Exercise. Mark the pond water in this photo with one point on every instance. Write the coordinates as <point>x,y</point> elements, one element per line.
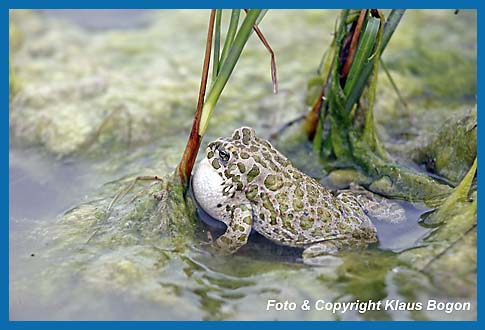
<point>103,96</point>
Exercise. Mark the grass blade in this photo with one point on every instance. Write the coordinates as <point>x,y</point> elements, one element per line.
<point>364,51</point>
<point>389,28</point>
<point>231,33</point>
<point>226,69</point>
<point>393,84</point>
<point>217,45</point>
<point>261,16</point>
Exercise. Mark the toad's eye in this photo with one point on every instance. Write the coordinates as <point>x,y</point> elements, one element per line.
<point>224,155</point>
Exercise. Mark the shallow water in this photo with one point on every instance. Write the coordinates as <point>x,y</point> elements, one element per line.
<point>70,261</point>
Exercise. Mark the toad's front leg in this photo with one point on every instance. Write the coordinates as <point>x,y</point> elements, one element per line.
<point>237,231</point>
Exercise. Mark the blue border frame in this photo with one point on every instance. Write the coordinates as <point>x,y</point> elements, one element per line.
<point>4,140</point>
<point>48,4</point>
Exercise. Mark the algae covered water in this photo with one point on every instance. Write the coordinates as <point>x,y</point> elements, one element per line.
<point>100,97</point>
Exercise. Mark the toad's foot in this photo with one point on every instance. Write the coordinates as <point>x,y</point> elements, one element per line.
<point>377,207</point>
<point>325,253</point>
<point>382,209</point>
<point>322,254</point>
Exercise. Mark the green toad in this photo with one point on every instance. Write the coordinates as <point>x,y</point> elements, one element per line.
<point>247,184</point>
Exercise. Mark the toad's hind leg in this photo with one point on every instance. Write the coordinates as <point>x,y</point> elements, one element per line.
<point>381,209</point>
<point>237,231</point>
<point>375,206</point>
<point>322,253</point>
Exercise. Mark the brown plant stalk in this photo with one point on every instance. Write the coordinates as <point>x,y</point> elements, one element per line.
<point>187,162</point>
<point>353,44</point>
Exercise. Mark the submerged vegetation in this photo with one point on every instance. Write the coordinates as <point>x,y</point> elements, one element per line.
<point>342,123</point>
<point>148,248</point>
